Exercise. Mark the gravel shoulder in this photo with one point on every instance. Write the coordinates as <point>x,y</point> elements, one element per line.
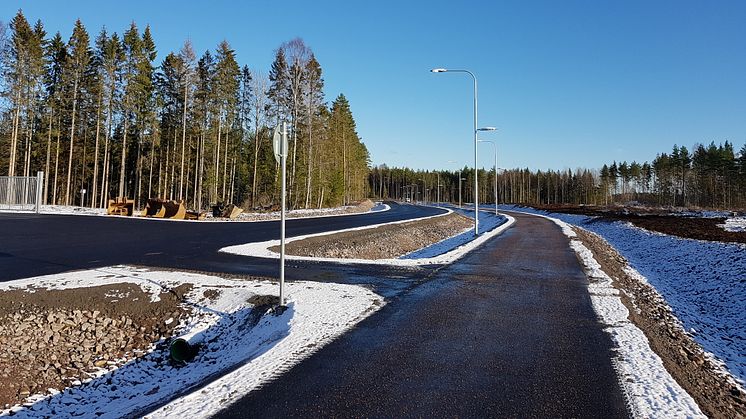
<point>701,376</point>
<point>52,339</point>
<point>383,242</point>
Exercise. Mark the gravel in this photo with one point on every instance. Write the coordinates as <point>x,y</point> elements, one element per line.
<point>53,339</point>
<point>384,242</point>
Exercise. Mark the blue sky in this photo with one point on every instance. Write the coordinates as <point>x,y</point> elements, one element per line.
<point>569,83</point>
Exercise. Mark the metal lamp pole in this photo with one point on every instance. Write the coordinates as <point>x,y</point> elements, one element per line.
<point>476,173</point>
<point>495,146</point>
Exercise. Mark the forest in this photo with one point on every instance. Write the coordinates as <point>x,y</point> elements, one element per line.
<point>711,177</point>
<point>102,119</point>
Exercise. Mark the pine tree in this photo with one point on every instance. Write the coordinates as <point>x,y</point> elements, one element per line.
<point>79,55</point>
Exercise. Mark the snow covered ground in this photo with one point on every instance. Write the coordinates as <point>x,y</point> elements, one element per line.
<point>704,282</point>
<point>650,389</point>
<point>316,314</point>
<point>246,216</point>
<point>734,224</point>
<point>444,252</point>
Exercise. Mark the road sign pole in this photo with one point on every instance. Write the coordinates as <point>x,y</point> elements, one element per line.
<point>283,158</point>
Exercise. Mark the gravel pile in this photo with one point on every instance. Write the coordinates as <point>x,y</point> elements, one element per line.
<point>92,330</point>
<point>716,394</point>
<point>384,242</point>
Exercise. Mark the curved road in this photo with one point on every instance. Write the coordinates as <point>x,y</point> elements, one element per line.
<point>507,331</point>
<point>32,245</point>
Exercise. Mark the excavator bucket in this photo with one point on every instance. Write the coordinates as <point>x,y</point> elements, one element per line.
<point>174,209</point>
<point>161,208</point>
<point>231,211</point>
<point>120,206</point>
<point>154,208</point>
<point>195,215</point>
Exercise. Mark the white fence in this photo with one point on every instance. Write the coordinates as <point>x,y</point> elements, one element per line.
<point>21,192</point>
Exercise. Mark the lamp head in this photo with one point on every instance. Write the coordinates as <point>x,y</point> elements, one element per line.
<point>438,70</point>
<point>487,129</point>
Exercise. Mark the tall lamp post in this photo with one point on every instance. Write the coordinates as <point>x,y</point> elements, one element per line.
<point>495,147</point>
<point>476,173</point>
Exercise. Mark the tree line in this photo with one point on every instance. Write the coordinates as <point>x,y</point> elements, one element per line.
<point>713,176</point>
<point>102,119</point>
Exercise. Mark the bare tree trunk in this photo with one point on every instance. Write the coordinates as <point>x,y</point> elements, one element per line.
<point>150,173</point>
<point>72,143</point>
<point>94,188</point>
<point>217,156</point>
<point>257,139</point>
<point>225,162</point>
<point>233,178</point>
<point>310,155</point>
<point>57,159</point>
<point>14,137</point>
<point>124,156</point>
<point>183,139</point>
<point>165,178</point>
<point>49,151</point>
<point>200,175</point>
<point>138,173</point>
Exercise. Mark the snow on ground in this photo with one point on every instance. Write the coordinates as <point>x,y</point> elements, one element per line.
<point>650,389</point>
<point>246,216</point>
<point>444,252</point>
<point>316,314</point>
<point>734,224</point>
<point>703,282</point>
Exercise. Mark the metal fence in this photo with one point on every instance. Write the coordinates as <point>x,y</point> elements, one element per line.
<point>21,192</point>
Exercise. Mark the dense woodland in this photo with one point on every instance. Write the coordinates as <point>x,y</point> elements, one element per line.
<point>97,113</point>
<point>712,176</point>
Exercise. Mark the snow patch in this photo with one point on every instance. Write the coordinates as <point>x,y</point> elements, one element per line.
<point>650,389</point>
<point>235,357</point>
<point>734,224</point>
<point>444,252</point>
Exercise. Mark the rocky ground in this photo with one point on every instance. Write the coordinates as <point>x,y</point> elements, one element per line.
<point>717,395</point>
<point>52,339</point>
<point>660,220</point>
<point>384,242</point>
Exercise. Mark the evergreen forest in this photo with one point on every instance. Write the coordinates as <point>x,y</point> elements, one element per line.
<point>102,119</point>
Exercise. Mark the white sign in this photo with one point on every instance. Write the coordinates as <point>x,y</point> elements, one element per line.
<point>278,145</point>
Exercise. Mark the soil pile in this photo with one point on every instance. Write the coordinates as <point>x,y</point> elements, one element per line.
<point>384,242</point>
<point>718,396</point>
<point>698,228</point>
<point>52,339</point>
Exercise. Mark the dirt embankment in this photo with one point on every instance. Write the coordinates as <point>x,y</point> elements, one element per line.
<point>384,242</point>
<point>690,227</point>
<point>56,338</point>
<point>717,396</point>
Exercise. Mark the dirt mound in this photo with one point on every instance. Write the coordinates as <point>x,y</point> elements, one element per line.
<point>52,339</point>
<point>659,220</point>
<point>384,242</point>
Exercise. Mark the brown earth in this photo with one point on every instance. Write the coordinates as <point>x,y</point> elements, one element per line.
<point>658,220</point>
<point>55,338</point>
<point>384,242</point>
<point>718,396</point>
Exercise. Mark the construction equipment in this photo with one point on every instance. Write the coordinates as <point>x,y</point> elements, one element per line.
<point>195,215</point>
<point>162,208</point>
<point>120,206</point>
<point>226,211</point>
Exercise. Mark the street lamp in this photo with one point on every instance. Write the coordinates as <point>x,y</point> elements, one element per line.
<point>495,147</point>
<point>476,178</point>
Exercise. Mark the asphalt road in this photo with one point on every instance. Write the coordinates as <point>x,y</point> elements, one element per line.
<point>32,245</point>
<point>508,331</point>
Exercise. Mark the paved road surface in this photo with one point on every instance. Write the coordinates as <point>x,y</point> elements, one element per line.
<point>508,331</point>
<point>32,245</point>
